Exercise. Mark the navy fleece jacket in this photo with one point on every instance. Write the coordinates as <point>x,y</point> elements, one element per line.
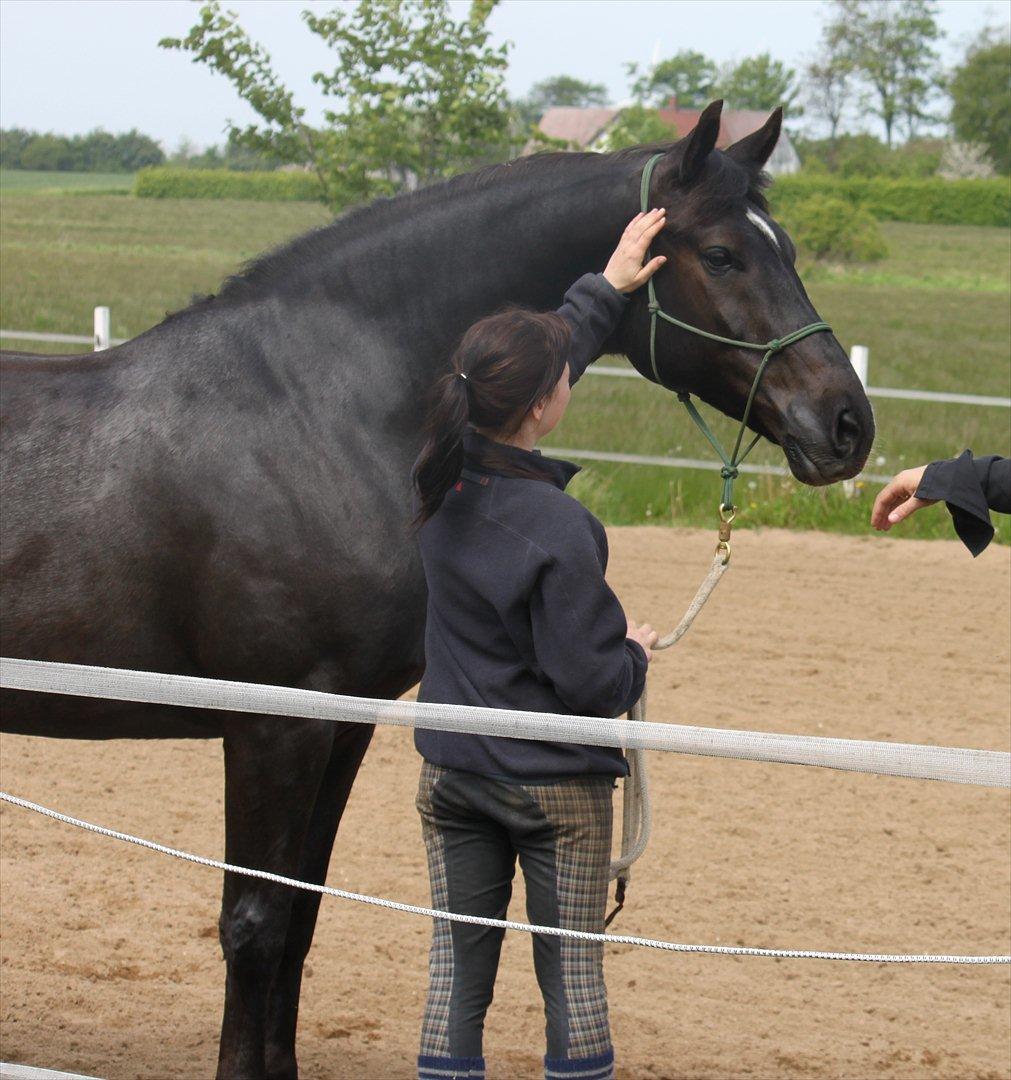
<point>519,613</point>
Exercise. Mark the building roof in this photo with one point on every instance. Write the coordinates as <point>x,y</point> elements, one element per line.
<point>734,123</point>
<point>582,128</point>
<point>575,125</point>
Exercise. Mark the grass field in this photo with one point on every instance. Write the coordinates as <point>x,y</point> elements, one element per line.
<point>934,314</point>
<point>16,181</point>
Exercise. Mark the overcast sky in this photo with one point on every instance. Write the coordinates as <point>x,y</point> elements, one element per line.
<point>72,65</point>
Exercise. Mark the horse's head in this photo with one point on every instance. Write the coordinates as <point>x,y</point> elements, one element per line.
<point>730,271</point>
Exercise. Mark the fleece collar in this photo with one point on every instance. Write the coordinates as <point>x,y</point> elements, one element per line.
<point>554,470</point>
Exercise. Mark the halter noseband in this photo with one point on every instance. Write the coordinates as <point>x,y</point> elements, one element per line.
<point>729,472</point>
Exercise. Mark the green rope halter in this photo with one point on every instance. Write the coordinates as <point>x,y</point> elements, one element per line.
<point>730,470</point>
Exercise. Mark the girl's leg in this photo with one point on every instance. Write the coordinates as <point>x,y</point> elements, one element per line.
<point>565,863</point>
<point>471,864</point>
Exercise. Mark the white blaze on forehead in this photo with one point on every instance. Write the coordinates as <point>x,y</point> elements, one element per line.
<point>763,226</point>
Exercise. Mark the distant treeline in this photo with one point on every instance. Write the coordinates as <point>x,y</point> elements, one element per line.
<point>102,152</point>
<point>98,151</point>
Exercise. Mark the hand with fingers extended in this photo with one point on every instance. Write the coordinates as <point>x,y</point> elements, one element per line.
<point>897,499</point>
<point>625,269</point>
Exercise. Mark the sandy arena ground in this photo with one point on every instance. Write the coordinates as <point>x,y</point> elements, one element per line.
<point>110,964</point>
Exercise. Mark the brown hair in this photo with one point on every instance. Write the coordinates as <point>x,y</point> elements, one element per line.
<point>504,365</point>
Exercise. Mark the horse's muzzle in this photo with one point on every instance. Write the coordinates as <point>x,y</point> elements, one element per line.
<point>823,451</point>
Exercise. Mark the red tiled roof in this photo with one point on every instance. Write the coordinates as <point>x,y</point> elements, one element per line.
<point>734,123</point>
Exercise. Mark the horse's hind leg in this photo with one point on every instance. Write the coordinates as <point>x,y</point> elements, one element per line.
<point>349,746</point>
<point>273,769</point>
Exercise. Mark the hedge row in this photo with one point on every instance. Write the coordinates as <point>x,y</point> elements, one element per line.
<point>928,202</point>
<point>931,202</point>
<point>168,183</point>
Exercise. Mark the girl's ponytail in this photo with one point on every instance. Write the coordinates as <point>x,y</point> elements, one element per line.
<point>504,365</point>
<point>438,467</point>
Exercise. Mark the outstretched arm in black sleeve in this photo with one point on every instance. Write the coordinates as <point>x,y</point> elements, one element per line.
<point>970,487</point>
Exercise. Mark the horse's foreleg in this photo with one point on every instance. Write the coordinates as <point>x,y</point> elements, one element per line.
<point>349,746</point>
<point>273,769</point>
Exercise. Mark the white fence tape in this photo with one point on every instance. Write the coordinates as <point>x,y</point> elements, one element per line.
<point>102,340</point>
<point>65,339</point>
<point>939,396</point>
<point>507,924</point>
<point>663,462</point>
<point>990,768</point>
<point>10,1071</point>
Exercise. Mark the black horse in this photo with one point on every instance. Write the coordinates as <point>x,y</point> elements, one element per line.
<point>227,495</point>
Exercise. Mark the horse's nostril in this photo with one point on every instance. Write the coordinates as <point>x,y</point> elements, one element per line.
<point>847,433</point>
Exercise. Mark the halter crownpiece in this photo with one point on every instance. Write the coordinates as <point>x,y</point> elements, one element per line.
<point>730,470</point>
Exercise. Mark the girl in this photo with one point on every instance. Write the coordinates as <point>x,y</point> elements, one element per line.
<point>520,617</point>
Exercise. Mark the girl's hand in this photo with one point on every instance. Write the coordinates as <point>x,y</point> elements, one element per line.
<point>645,635</point>
<point>897,500</point>
<point>624,269</point>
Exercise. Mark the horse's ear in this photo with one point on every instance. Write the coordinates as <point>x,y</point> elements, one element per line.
<point>754,150</point>
<point>688,157</point>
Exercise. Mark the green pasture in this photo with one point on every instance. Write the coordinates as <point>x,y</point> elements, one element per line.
<point>934,314</point>
<point>17,181</point>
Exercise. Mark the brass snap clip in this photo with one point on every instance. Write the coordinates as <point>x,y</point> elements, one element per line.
<point>727,515</point>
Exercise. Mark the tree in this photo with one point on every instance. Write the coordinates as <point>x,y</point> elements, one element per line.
<point>418,96</point>
<point>560,90</point>
<point>829,87</point>
<point>13,143</point>
<point>759,82</point>
<point>889,43</point>
<point>49,153</point>
<point>636,125</point>
<point>980,91</point>
<point>688,76</point>
<point>132,150</point>
<point>965,161</point>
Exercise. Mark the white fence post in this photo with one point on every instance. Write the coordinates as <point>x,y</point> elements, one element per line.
<point>860,358</point>
<point>102,328</point>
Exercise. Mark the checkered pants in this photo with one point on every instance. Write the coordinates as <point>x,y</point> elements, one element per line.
<point>474,828</point>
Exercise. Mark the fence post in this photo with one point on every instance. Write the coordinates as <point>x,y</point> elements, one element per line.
<point>860,358</point>
<point>102,325</point>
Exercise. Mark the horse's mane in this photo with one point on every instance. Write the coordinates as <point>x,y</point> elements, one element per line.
<point>725,181</point>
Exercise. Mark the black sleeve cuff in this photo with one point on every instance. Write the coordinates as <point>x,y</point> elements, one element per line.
<point>957,483</point>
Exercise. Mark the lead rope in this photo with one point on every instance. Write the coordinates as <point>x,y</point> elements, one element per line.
<point>637,808</point>
<point>637,817</point>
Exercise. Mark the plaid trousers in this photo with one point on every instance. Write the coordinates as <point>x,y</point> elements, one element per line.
<point>474,828</point>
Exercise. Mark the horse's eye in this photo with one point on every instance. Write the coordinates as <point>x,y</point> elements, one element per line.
<point>718,259</point>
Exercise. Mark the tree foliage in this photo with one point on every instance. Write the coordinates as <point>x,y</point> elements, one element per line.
<point>851,156</point>
<point>687,75</point>
<point>98,151</point>
<point>232,155</point>
<point>980,91</point>
<point>828,88</point>
<point>760,82</point>
<point>416,95</point>
<point>890,45</point>
<point>559,90</point>
<point>636,125</point>
<point>834,230</point>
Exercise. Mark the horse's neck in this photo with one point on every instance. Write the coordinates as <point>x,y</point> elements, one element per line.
<point>509,243</point>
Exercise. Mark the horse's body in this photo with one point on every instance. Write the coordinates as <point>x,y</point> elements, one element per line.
<point>228,494</point>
